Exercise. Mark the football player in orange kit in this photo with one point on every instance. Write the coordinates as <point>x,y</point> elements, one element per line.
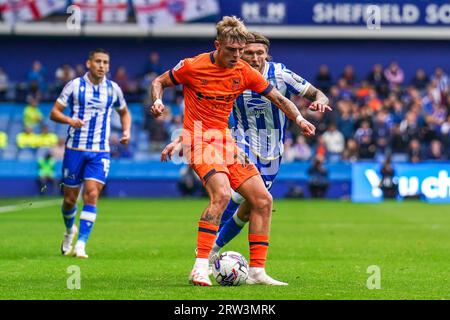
<point>211,82</point>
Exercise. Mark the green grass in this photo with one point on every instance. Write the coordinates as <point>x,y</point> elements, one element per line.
<point>144,249</point>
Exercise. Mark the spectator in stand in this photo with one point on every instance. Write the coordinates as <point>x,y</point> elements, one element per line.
<point>435,151</point>
<point>4,84</point>
<point>445,134</point>
<point>154,64</point>
<point>433,95</point>
<point>367,148</point>
<point>377,79</point>
<point>362,93</point>
<point>345,122</point>
<point>121,78</point>
<point>345,91</point>
<point>381,130</point>
<point>442,81</point>
<point>351,152</point>
<point>398,141</point>
<point>373,102</point>
<point>158,134</point>
<point>409,127</point>
<point>3,140</point>
<point>334,142</point>
<point>318,178</point>
<point>301,150</point>
<point>324,80</point>
<point>349,75</point>
<point>80,70</point>
<point>32,116</point>
<point>320,148</point>
<point>63,75</point>
<point>36,77</point>
<point>46,139</point>
<point>289,153</point>
<point>397,112</point>
<point>394,75</point>
<point>26,139</point>
<point>420,80</point>
<point>364,131</point>
<point>415,151</point>
<point>334,95</point>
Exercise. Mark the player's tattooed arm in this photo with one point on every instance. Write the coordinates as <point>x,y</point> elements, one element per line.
<point>319,99</point>
<point>156,91</point>
<point>291,111</point>
<point>57,115</point>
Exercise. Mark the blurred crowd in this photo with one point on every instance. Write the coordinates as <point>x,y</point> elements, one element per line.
<point>382,114</point>
<point>375,116</point>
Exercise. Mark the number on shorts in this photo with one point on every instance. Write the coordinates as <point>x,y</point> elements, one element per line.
<point>105,166</point>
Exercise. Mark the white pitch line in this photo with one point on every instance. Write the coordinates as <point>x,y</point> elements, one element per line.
<point>29,205</point>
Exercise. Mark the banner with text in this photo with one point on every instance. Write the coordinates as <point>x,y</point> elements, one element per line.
<point>429,181</point>
<point>339,13</point>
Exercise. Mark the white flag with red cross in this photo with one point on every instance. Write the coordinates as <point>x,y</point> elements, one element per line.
<point>101,11</point>
<point>26,10</point>
<point>156,13</point>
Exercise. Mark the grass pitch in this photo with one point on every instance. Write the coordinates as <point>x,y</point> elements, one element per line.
<point>144,249</point>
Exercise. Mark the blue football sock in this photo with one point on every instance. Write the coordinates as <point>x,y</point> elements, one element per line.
<point>69,217</point>
<point>87,219</point>
<point>230,230</point>
<point>228,213</point>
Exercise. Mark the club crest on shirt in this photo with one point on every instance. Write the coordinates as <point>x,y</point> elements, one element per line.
<point>179,65</point>
<point>235,83</point>
<point>299,79</point>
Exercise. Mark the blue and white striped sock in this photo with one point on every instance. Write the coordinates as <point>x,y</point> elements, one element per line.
<point>87,219</point>
<point>69,218</point>
<point>229,231</point>
<point>228,213</point>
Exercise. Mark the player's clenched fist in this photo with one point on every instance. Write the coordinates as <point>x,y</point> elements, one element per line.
<point>76,123</point>
<point>157,108</point>
<point>308,129</point>
<point>125,137</point>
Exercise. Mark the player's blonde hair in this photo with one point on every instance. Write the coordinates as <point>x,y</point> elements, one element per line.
<point>231,29</point>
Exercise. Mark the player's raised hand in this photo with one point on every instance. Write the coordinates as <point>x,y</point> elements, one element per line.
<point>157,108</point>
<point>170,149</point>
<point>125,139</point>
<point>308,129</point>
<point>76,123</point>
<point>318,106</point>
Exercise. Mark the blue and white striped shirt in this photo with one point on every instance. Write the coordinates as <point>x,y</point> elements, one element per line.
<point>259,124</point>
<point>92,104</point>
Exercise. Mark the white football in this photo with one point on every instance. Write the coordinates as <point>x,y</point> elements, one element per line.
<point>230,269</point>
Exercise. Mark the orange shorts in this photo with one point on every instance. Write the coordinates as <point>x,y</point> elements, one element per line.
<point>209,157</point>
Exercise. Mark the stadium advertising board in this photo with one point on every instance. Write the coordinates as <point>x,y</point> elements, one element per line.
<point>335,13</point>
<point>431,182</point>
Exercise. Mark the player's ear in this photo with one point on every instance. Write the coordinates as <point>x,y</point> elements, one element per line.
<point>88,63</point>
<point>217,44</point>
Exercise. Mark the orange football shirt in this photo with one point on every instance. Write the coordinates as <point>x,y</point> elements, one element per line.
<point>210,90</point>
